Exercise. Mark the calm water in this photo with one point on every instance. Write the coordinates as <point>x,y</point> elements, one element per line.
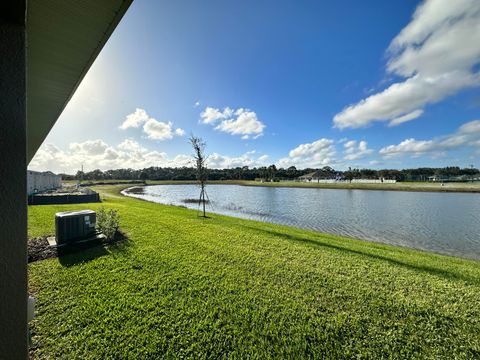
<point>447,223</point>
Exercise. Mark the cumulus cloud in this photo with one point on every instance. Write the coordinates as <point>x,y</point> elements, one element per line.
<point>134,120</point>
<point>467,135</point>
<point>179,132</point>
<point>217,161</point>
<point>111,154</point>
<point>154,129</point>
<point>128,154</point>
<point>96,154</point>
<point>158,130</point>
<point>242,122</point>
<point>355,151</point>
<point>316,154</point>
<point>50,157</point>
<point>212,115</point>
<point>130,145</point>
<point>89,147</point>
<point>436,57</point>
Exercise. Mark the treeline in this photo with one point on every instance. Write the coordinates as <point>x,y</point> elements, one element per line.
<point>187,173</point>
<point>272,173</point>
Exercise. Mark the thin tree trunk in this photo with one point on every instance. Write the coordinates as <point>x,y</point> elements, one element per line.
<point>203,194</point>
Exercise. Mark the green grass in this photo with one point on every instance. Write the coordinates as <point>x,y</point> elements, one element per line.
<point>229,288</point>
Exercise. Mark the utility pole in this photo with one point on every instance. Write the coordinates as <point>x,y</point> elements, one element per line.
<point>81,177</point>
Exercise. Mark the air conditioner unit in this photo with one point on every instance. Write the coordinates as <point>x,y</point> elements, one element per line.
<point>71,226</point>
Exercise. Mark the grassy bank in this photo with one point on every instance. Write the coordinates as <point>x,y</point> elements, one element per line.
<point>223,287</point>
<point>400,186</point>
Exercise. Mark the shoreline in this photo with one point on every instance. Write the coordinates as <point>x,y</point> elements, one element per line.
<point>125,192</point>
<point>399,186</point>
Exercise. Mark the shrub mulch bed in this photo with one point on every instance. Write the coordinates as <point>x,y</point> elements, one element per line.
<point>40,249</point>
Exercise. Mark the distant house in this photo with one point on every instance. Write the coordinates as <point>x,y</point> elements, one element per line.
<point>446,178</point>
<point>318,175</point>
<point>308,177</point>
<point>321,176</point>
<point>42,181</point>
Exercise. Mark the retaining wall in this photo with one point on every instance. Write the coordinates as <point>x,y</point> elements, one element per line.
<point>63,199</point>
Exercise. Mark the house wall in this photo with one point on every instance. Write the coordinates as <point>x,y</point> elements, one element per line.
<point>41,181</point>
<point>13,182</point>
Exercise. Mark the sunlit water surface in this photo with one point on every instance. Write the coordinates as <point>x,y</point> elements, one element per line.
<point>447,223</point>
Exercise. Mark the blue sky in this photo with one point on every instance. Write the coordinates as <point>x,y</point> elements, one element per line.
<point>379,84</point>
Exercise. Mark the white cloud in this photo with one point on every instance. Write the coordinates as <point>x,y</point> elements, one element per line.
<point>436,55</point>
<point>128,154</point>
<point>89,147</point>
<point>134,120</point>
<point>130,145</point>
<point>50,157</point>
<point>156,130</point>
<point>212,115</point>
<point>316,154</point>
<point>467,135</point>
<point>197,104</point>
<point>111,154</point>
<point>217,161</point>
<point>353,151</point>
<point>408,117</point>
<point>438,40</point>
<point>242,122</point>
<point>472,127</point>
<point>179,132</point>
<point>96,154</point>
<point>262,159</point>
<point>411,146</point>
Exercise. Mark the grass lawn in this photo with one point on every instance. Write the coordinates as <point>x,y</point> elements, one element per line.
<point>222,287</point>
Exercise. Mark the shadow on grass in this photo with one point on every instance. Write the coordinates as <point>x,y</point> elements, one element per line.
<point>432,270</point>
<point>79,253</point>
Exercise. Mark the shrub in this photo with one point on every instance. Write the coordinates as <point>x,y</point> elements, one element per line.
<point>108,222</point>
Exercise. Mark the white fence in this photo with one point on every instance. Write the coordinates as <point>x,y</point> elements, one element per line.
<point>356,181</point>
<point>42,181</point>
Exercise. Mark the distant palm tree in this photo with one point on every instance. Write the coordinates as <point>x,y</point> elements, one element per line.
<point>272,169</point>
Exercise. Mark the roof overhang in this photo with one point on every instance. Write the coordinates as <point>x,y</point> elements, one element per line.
<point>63,39</point>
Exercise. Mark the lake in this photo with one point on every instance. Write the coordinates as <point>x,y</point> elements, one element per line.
<point>446,223</point>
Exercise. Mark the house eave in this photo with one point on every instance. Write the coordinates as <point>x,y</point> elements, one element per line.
<point>64,38</point>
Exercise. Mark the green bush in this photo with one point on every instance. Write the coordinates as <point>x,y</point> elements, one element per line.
<point>108,222</point>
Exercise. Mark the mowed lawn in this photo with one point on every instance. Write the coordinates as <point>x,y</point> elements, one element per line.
<point>187,287</point>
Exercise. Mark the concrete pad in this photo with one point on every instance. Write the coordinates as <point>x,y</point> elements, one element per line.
<point>97,237</point>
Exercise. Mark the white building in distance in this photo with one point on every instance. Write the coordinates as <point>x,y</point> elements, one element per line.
<point>42,181</point>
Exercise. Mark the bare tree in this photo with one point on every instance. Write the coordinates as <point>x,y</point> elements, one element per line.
<point>199,155</point>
